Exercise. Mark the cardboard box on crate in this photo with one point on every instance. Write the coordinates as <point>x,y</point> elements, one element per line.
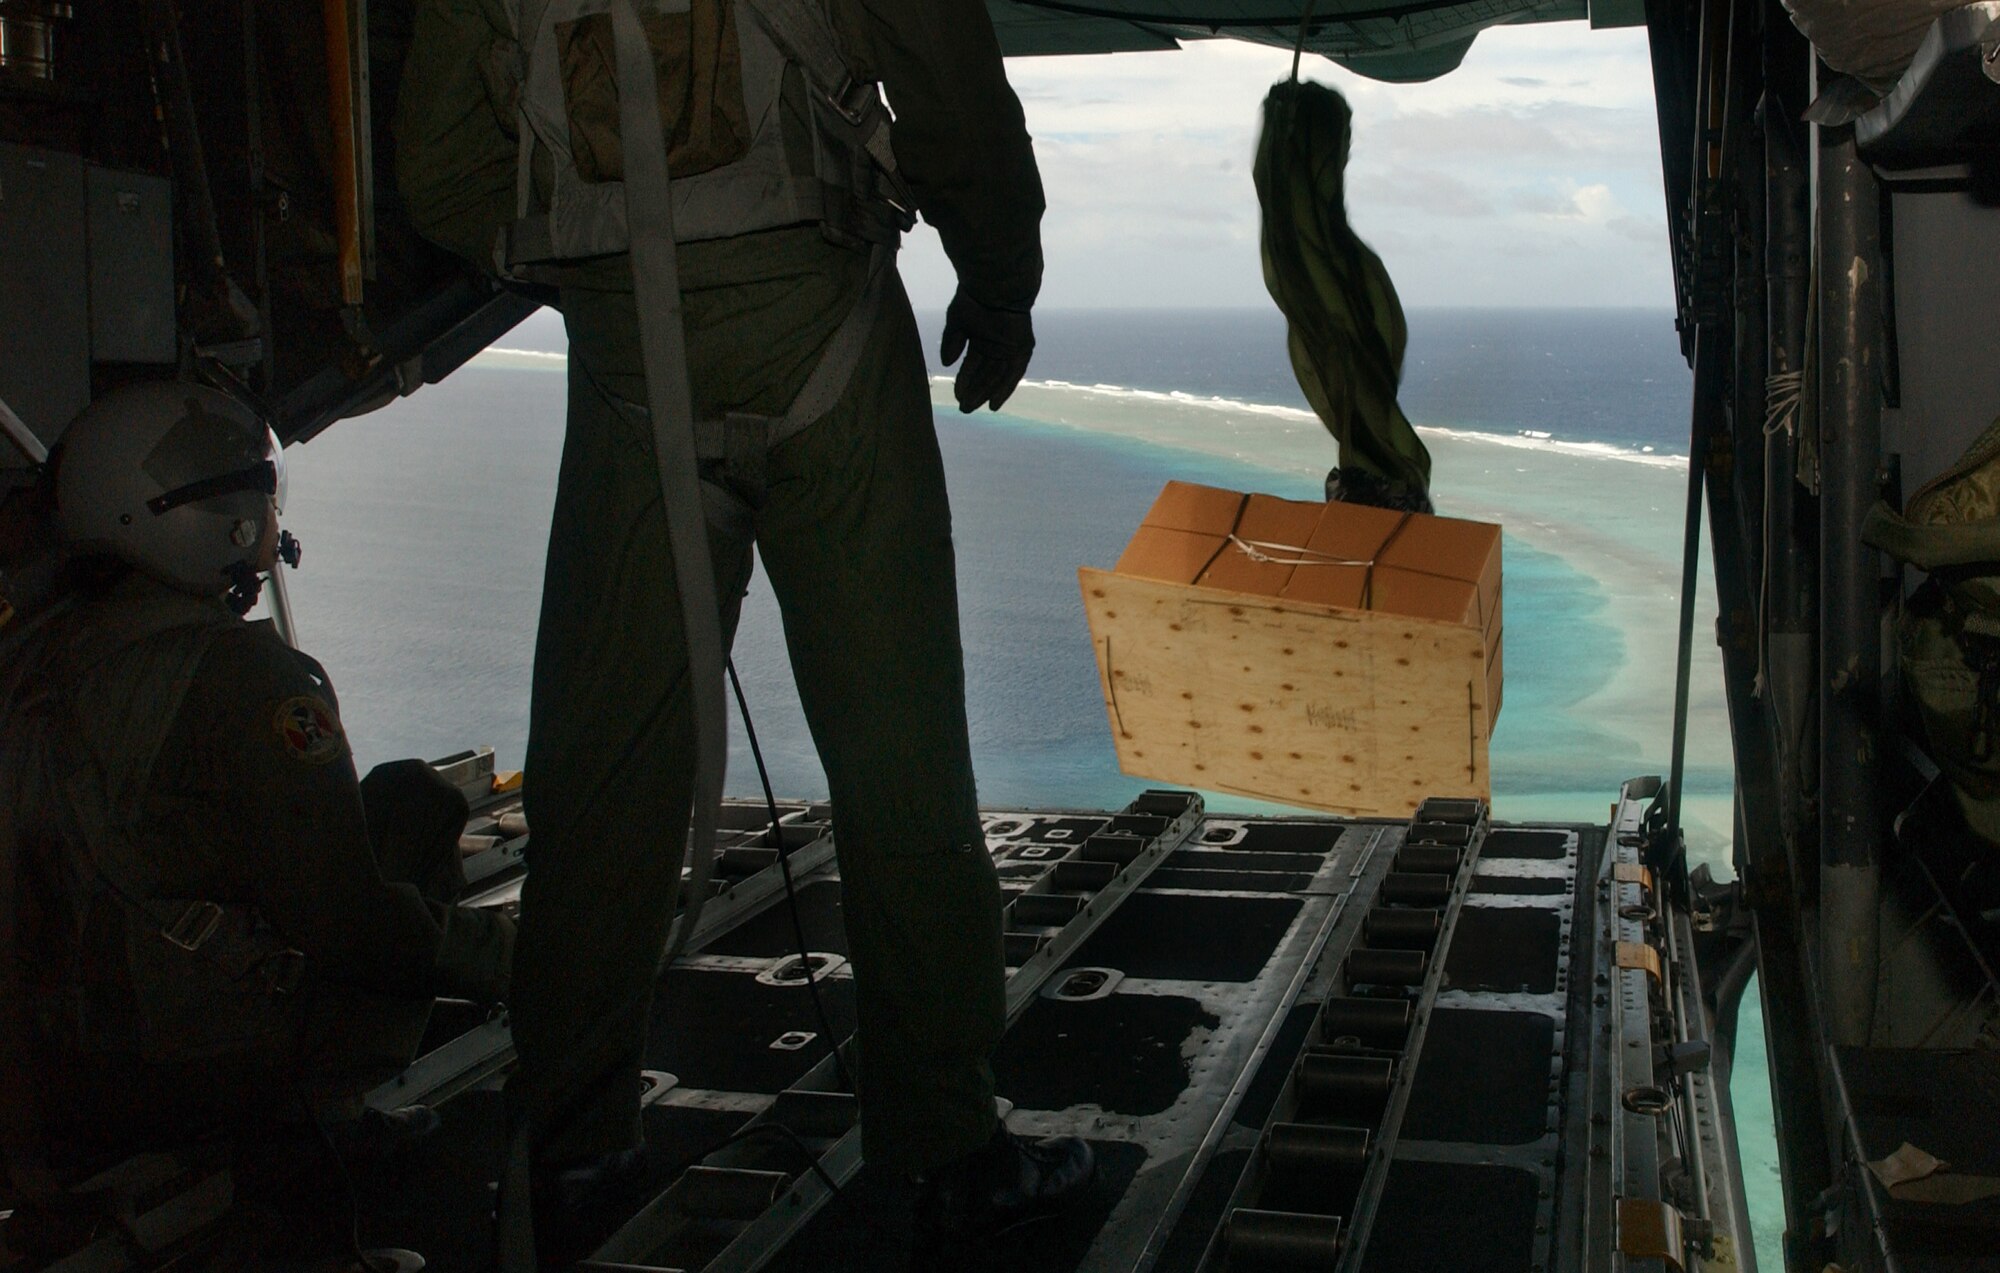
<point>1332,656</point>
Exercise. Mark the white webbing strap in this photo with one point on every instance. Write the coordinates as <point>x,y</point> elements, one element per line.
<point>1265,551</point>
<point>663,348</point>
<point>669,399</point>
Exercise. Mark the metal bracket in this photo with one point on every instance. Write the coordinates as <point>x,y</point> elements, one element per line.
<point>1633,873</point>
<point>1632,954</point>
<point>1649,1230</point>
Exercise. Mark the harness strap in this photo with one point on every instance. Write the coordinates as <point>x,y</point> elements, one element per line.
<point>802,29</point>
<point>1935,546</point>
<point>529,240</point>
<point>741,442</point>
<point>663,346</point>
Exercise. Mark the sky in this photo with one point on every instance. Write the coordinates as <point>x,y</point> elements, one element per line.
<point>1530,176</point>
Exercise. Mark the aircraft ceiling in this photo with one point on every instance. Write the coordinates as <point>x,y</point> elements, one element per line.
<point>1395,40</point>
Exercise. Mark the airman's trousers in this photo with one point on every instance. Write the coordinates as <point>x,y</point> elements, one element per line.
<point>854,531</point>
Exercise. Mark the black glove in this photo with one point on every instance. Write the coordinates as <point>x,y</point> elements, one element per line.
<point>1001,342</point>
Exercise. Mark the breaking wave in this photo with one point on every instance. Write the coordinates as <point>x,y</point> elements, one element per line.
<point>1532,441</point>
<point>497,356</point>
<point>1110,395</point>
<point>1525,439</point>
<point>1235,406</point>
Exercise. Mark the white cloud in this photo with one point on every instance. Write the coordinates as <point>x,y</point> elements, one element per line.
<point>1530,176</point>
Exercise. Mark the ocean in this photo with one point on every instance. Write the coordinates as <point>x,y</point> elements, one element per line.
<point>424,524</point>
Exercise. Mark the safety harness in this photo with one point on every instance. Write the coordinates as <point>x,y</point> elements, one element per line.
<point>845,181</point>
<point>848,185</point>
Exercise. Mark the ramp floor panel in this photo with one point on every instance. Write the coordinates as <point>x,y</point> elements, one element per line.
<point>1484,1078</point>
<point>1510,950</point>
<point>727,1031</point>
<point>1461,1217</point>
<point>1124,1053</point>
<point>1188,937</point>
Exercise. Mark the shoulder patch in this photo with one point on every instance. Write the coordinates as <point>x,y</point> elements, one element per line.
<point>308,730</point>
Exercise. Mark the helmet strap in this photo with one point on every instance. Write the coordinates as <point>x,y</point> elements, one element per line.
<point>245,585</point>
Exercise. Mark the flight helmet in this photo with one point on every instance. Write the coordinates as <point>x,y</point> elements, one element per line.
<point>176,479</point>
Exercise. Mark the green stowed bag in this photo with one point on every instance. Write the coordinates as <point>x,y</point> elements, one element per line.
<point>1949,634</point>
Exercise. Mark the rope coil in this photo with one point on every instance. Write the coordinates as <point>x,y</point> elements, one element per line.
<point>1782,394</point>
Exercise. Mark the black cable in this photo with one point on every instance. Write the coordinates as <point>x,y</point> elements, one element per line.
<point>791,892</point>
<point>783,1133</point>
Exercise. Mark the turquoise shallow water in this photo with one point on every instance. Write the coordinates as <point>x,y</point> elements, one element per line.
<point>424,527</point>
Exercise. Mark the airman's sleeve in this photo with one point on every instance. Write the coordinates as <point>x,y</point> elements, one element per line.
<point>260,742</point>
<point>456,157</point>
<point>960,139</point>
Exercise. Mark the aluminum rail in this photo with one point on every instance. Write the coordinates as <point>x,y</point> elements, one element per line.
<point>1852,824</point>
<point>470,1059</point>
<point>1311,967</point>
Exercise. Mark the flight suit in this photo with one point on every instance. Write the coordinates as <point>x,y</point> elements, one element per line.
<point>221,752</point>
<point>853,526</point>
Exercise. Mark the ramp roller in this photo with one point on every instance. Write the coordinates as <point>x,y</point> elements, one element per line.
<point>1046,910</point>
<point>1078,875</point>
<point>1282,1240</point>
<point>1372,1022</point>
<point>1440,833</point>
<point>1410,889</point>
<point>1316,1149</point>
<point>1428,859</point>
<point>1390,928</point>
<point>1386,967</point>
<point>1344,1085</point>
<point>1119,848</point>
<point>810,1113</point>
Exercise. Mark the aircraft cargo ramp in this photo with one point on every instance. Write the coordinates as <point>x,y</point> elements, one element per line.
<point>1295,1043</point>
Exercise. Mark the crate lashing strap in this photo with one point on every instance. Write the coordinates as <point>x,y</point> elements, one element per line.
<point>1263,550</point>
<point>669,399</point>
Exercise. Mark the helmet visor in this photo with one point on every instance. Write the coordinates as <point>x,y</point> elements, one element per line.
<point>266,475</point>
<point>261,476</point>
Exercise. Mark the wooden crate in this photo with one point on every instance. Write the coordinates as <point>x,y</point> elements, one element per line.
<point>1249,645</point>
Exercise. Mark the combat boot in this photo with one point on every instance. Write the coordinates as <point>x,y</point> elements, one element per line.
<point>377,1137</point>
<point>1006,1183</point>
<point>577,1207</point>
